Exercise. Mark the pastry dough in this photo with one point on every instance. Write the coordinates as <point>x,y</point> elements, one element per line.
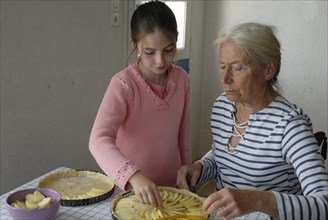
<point>78,185</point>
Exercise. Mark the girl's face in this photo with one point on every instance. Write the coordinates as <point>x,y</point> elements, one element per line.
<point>243,80</point>
<point>156,52</point>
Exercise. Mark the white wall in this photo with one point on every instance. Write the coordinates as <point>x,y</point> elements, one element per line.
<point>196,71</point>
<point>302,30</point>
<point>57,58</point>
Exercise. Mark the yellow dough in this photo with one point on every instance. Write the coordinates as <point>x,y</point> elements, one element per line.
<point>77,185</point>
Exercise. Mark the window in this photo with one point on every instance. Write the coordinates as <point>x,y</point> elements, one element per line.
<point>179,9</point>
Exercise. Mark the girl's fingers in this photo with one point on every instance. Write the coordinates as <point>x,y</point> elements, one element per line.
<point>158,199</point>
<point>140,197</point>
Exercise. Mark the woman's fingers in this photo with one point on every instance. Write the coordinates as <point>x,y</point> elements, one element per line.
<point>182,177</point>
<point>230,203</point>
<point>213,202</point>
<point>221,211</point>
<point>219,205</point>
<point>188,176</point>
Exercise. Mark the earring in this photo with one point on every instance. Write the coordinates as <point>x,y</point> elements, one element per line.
<point>138,55</point>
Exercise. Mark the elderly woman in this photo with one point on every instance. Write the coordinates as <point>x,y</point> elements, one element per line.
<point>264,155</point>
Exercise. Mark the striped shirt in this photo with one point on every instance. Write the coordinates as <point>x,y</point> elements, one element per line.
<point>279,153</point>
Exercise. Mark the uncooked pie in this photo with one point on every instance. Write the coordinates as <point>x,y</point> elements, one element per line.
<point>175,203</point>
<point>79,187</point>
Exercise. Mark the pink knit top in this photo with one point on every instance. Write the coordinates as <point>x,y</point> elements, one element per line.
<point>135,129</point>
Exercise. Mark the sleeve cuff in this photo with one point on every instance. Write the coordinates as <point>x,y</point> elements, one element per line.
<point>124,173</point>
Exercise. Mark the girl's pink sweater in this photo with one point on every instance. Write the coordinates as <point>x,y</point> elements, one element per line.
<point>137,130</point>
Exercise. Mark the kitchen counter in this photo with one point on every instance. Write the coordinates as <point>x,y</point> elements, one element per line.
<point>99,210</point>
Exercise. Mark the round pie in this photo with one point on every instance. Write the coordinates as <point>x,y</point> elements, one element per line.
<point>175,203</point>
<point>79,187</point>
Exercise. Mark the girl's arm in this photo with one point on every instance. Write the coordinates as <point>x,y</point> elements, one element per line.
<point>184,133</point>
<point>102,143</point>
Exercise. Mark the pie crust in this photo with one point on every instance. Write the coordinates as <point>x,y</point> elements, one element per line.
<point>79,187</point>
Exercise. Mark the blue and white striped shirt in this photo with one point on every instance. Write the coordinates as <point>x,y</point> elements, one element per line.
<point>279,153</point>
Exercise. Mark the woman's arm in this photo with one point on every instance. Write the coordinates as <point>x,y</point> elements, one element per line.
<point>301,150</point>
<point>209,170</point>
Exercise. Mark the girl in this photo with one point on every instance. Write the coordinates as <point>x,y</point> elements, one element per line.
<point>140,137</point>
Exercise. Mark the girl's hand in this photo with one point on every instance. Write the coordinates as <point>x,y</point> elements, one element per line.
<point>231,203</point>
<point>145,190</point>
<point>188,176</point>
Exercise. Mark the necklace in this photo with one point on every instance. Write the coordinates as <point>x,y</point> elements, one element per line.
<point>229,148</point>
<point>242,125</point>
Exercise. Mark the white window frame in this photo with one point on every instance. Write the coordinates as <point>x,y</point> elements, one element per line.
<point>182,53</point>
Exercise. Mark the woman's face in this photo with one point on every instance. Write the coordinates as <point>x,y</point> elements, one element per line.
<point>156,52</point>
<point>243,80</point>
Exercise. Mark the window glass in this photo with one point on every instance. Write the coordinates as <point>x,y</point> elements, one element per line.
<point>179,9</point>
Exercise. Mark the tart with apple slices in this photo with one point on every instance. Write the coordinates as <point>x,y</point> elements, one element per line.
<point>175,203</point>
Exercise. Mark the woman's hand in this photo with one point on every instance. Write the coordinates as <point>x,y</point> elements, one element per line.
<point>145,190</point>
<point>188,176</point>
<point>230,203</point>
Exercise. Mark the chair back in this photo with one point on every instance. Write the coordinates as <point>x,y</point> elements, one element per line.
<point>322,141</point>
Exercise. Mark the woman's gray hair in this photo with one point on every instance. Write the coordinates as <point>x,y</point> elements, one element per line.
<point>258,41</point>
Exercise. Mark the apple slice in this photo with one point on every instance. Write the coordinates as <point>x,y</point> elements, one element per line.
<point>44,202</point>
<point>38,197</point>
<point>30,204</point>
<point>19,205</point>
